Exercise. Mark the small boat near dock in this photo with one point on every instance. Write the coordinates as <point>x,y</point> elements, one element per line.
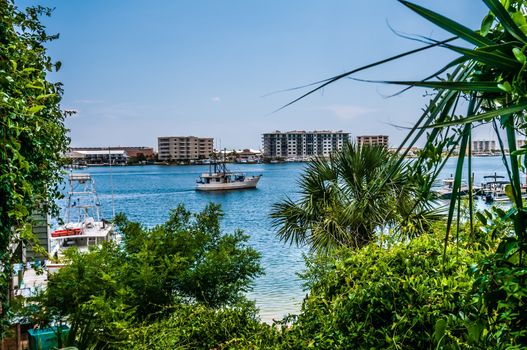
<point>83,225</point>
<point>494,189</point>
<point>445,191</point>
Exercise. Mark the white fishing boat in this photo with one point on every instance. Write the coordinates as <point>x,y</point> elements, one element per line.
<point>83,225</point>
<point>220,179</point>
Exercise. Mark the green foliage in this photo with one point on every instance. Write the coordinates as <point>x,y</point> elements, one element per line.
<point>32,132</point>
<point>497,61</point>
<point>185,263</point>
<point>491,77</point>
<point>199,327</point>
<point>500,288</point>
<point>400,297</point>
<point>501,300</point>
<point>346,200</point>
<point>188,256</point>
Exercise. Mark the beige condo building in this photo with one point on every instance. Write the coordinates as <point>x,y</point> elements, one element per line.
<point>184,148</point>
<point>373,140</point>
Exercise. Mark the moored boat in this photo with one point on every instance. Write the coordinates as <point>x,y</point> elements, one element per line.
<point>83,225</point>
<point>220,179</point>
<point>494,189</point>
<point>445,192</point>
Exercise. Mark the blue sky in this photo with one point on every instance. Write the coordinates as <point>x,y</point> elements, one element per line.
<point>136,70</point>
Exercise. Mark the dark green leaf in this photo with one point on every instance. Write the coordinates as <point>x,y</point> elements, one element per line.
<point>439,330</point>
<point>483,116</point>
<point>493,58</point>
<point>505,19</point>
<point>486,24</point>
<point>519,55</point>
<point>481,218</point>
<point>481,86</point>
<point>449,25</point>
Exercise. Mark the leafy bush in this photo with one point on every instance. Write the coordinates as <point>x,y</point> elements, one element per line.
<point>499,295</point>
<point>186,261</point>
<point>200,327</point>
<point>501,300</point>
<point>32,133</point>
<point>397,298</point>
<point>187,257</point>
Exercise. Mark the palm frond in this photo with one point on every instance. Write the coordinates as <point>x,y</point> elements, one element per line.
<point>481,86</point>
<point>449,25</point>
<point>487,116</point>
<point>506,20</point>
<point>336,78</point>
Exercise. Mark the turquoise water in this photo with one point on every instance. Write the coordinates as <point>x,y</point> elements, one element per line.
<point>147,193</point>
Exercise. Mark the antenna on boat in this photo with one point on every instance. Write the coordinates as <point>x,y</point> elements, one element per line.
<point>111,181</point>
<point>224,159</point>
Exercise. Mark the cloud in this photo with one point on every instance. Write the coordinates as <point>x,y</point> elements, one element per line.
<point>348,112</point>
<point>215,99</point>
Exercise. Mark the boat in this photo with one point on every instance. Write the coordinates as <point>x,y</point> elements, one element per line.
<point>494,189</point>
<point>218,178</point>
<point>83,225</point>
<point>445,191</point>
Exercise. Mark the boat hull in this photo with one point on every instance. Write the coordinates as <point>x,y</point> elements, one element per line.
<point>228,186</point>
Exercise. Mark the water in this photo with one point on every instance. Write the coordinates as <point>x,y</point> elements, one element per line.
<point>147,193</point>
<point>481,166</point>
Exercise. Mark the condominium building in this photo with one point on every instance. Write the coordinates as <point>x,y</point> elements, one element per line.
<point>299,145</point>
<point>479,146</point>
<point>184,148</point>
<point>373,140</point>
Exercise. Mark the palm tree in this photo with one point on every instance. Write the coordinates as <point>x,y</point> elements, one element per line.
<point>491,78</point>
<point>486,84</point>
<point>346,200</point>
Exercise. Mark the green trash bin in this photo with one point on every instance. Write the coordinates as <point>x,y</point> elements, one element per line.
<point>46,338</point>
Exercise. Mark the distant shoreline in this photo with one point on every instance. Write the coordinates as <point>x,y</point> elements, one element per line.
<point>201,164</point>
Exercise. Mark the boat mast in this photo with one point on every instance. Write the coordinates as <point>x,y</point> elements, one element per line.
<point>111,184</point>
<point>224,159</point>
<point>97,203</point>
<point>70,194</point>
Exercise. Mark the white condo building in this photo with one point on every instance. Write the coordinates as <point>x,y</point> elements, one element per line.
<point>184,148</point>
<point>301,145</point>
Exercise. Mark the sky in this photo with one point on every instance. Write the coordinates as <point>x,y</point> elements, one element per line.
<point>137,70</point>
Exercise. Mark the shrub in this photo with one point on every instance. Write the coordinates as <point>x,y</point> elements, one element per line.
<point>186,261</point>
<point>397,298</point>
<point>201,327</point>
<point>500,299</point>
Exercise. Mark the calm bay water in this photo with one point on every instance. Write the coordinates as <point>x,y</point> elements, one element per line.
<point>147,193</point>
